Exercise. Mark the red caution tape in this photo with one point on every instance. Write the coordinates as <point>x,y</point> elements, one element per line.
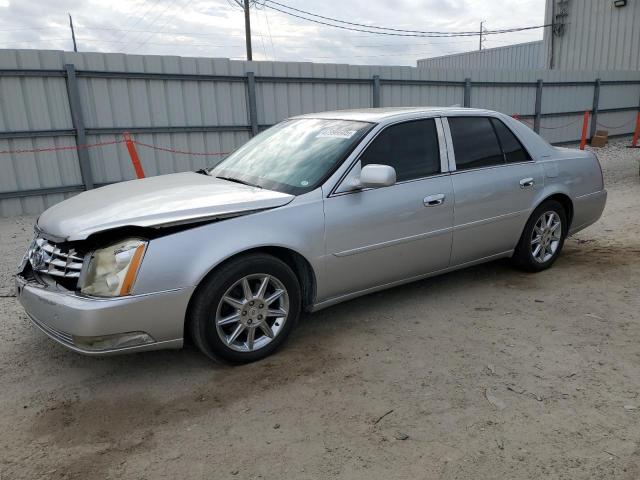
<point>613,127</point>
<point>181,152</point>
<point>110,142</point>
<point>530,123</point>
<point>57,149</point>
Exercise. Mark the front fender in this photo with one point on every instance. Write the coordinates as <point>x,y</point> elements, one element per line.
<point>184,258</point>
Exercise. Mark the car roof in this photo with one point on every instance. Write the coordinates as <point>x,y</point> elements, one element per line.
<point>378,115</point>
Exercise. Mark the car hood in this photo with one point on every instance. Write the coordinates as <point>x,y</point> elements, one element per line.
<point>153,202</point>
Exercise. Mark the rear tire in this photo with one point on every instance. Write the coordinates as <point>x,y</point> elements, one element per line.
<point>542,238</point>
<point>246,309</point>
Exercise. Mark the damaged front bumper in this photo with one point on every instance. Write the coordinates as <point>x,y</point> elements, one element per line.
<point>96,326</point>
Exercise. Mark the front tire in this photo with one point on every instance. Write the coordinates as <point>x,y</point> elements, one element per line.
<point>246,309</point>
<point>542,238</point>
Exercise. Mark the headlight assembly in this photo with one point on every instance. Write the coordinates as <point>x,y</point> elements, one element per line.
<point>112,270</point>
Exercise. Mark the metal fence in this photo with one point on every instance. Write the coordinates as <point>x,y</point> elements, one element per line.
<point>62,114</point>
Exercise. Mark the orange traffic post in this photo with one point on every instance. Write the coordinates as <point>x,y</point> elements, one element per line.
<point>636,133</point>
<point>133,153</point>
<point>585,127</point>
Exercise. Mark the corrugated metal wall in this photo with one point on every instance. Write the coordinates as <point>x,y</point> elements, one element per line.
<point>527,56</point>
<point>596,35</point>
<point>213,114</point>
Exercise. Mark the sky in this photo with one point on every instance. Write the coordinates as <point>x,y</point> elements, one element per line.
<point>215,28</point>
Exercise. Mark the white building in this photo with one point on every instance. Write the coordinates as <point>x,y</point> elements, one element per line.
<point>588,35</point>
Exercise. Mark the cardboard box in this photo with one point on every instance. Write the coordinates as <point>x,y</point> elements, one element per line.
<point>600,139</point>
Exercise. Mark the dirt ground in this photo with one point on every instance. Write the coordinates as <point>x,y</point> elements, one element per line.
<point>486,373</point>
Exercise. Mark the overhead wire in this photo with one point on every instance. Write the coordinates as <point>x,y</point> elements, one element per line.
<point>373,30</point>
<point>137,21</point>
<point>239,35</point>
<point>273,48</point>
<point>353,23</point>
<point>389,30</point>
<point>136,38</point>
<point>166,21</point>
<point>264,49</point>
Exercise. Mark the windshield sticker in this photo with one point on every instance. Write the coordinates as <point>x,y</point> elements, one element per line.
<point>304,183</point>
<point>336,133</point>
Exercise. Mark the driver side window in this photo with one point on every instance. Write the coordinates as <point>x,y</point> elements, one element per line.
<point>410,147</point>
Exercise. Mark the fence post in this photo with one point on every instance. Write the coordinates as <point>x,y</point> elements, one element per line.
<point>133,153</point>
<point>594,110</point>
<point>77,120</point>
<point>636,132</point>
<point>538,110</point>
<point>376,91</point>
<point>253,110</point>
<point>467,93</point>
<point>585,123</point>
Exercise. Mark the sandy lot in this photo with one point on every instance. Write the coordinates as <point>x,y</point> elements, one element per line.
<point>486,373</point>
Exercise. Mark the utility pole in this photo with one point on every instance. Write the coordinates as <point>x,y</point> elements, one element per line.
<point>247,28</point>
<point>73,34</point>
<point>480,44</point>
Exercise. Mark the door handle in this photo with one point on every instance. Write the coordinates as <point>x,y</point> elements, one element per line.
<point>527,182</point>
<point>434,200</point>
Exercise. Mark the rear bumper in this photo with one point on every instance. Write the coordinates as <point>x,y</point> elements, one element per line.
<point>587,210</point>
<point>147,322</point>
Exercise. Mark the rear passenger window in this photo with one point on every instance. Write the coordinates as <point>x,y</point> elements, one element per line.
<point>411,148</point>
<point>511,146</point>
<point>474,142</point>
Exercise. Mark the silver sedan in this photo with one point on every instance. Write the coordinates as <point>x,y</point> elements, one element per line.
<point>314,211</point>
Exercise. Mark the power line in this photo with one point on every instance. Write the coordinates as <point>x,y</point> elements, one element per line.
<point>56,39</point>
<point>28,28</point>
<point>138,20</point>
<point>297,47</point>
<point>169,5</point>
<point>273,49</point>
<point>371,28</point>
<point>90,41</point>
<point>138,14</point>
<point>264,49</point>
<point>177,44</point>
<point>353,23</point>
<point>459,42</point>
<point>196,34</point>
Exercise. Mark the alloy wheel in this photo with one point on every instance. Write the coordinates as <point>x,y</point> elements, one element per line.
<point>546,236</point>
<point>252,312</point>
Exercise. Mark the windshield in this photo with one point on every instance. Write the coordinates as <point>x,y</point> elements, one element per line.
<point>294,156</point>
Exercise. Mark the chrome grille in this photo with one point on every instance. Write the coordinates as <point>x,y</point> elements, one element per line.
<point>47,257</point>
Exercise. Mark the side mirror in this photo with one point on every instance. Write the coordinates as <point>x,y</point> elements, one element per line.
<point>376,176</point>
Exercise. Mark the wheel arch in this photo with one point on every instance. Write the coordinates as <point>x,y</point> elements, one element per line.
<point>296,261</point>
<point>560,197</point>
<point>564,200</point>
